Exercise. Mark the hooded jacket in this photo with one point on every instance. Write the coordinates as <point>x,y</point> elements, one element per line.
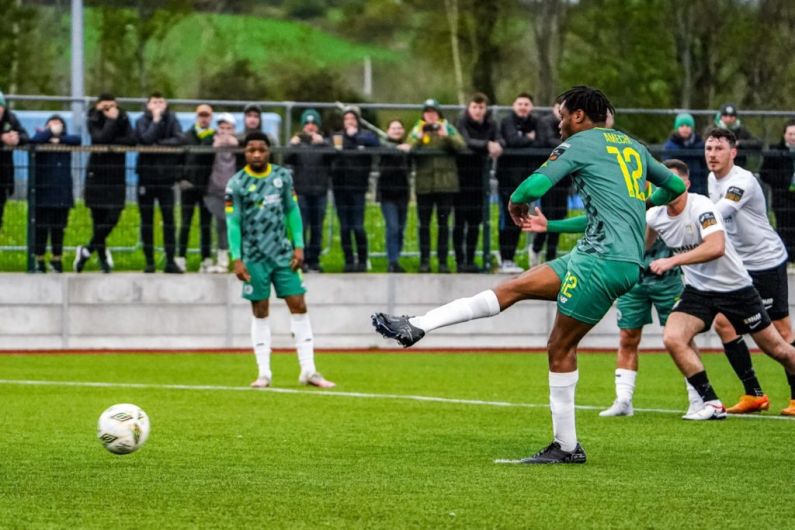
<point>514,168</point>
<point>157,168</point>
<point>8,123</point>
<point>197,166</point>
<point>106,174</point>
<point>477,135</point>
<point>778,170</point>
<point>53,169</point>
<point>351,172</point>
<point>311,165</point>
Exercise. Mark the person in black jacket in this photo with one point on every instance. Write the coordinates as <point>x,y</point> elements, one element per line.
<point>157,174</point>
<point>350,179</point>
<point>106,185</point>
<point>309,157</point>
<point>53,197</point>
<point>12,134</point>
<point>482,138</point>
<point>519,130</point>
<point>193,185</point>
<point>778,171</point>
<point>393,192</point>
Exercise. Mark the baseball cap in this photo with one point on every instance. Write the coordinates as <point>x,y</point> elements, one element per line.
<point>225,117</point>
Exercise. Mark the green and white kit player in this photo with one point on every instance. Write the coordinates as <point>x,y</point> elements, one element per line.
<point>610,171</point>
<point>267,246</point>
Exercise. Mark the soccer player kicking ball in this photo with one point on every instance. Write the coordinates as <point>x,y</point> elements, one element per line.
<point>610,170</point>
<point>715,282</point>
<point>266,243</point>
<point>739,199</point>
<point>634,309</point>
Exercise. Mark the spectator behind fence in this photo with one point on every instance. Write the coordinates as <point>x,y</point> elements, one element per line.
<point>106,186</point>
<point>726,118</point>
<point>224,167</point>
<point>53,191</point>
<point>436,180</point>
<point>350,178</point>
<point>393,192</point>
<point>482,137</point>
<point>685,137</point>
<point>196,170</point>
<point>519,130</point>
<point>12,134</point>
<point>549,127</point>
<point>311,164</point>
<point>252,122</point>
<point>157,174</point>
<point>778,171</point>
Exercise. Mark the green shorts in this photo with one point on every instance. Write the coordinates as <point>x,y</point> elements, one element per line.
<point>634,308</point>
<point>286,281</point>
<point>589,285</point>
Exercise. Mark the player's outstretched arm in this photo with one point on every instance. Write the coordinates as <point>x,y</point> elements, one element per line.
<point>713,247</point>
<point>669,185</point>
<point>531,189</point>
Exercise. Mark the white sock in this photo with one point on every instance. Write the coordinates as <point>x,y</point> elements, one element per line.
<point>304,343</point>
<point>625,384</point>
<point>693,396</point>
<point>261,339</point>
<point>484,304</point>
<point>561,403</point>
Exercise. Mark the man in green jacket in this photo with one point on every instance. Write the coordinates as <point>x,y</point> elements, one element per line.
<point>437,179</point>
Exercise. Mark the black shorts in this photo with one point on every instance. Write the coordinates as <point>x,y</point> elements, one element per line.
<point>743,308</point>
<point>772,287</point>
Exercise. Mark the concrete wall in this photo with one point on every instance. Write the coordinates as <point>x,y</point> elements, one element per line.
<point>131,310</point>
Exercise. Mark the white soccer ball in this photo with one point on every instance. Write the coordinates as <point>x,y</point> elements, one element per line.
<point>123,428</point>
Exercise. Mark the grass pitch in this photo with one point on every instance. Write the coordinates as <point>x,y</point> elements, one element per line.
<point>371,453</point>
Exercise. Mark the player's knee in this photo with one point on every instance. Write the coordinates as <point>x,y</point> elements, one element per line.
<point>629,339</point>
<point>673,340</point>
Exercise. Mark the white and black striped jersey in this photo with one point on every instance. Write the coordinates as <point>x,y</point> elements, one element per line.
<point>686,231</point>
<point>741,203</point>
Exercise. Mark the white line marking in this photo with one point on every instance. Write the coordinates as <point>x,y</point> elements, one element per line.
<point>365,395</point>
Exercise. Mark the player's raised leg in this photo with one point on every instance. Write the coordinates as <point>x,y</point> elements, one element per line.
<point>539,283</point>
<point>680,329</point>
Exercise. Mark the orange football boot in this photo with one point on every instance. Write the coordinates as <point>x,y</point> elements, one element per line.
<point>789,411</point>
<point>748,404</point>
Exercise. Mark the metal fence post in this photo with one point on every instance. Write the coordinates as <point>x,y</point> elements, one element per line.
<point>485,181</point>
<point>31,208</point>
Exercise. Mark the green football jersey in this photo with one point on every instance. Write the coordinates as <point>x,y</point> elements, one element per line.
<point>658,250</point>
<point>609,170</point>
<point>261,202</point>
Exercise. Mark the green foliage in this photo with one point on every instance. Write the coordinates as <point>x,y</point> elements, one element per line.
<point>242,458</point>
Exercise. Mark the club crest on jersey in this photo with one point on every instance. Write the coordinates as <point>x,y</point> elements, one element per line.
<point>707,219</point>
<point>734,193</point>
<point>558,151</point>
<point>277,182</point>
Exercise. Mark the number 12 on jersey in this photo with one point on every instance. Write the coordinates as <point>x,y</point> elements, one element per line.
<point>632,180</point>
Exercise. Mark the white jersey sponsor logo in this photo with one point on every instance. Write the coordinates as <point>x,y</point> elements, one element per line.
<point>686,231</point>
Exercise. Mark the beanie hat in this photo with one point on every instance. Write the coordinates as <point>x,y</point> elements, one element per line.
<point>225,117</point>
<point>728,109</point>
<point>684,119</point>
<point>431,104</point>
<point>2,99</point>
<point>310,116</point>
<point>252,107</point>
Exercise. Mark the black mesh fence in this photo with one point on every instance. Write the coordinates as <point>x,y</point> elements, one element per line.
<point>372,209</point>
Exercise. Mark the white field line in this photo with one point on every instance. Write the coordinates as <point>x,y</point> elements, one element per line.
<point>361,395</point>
